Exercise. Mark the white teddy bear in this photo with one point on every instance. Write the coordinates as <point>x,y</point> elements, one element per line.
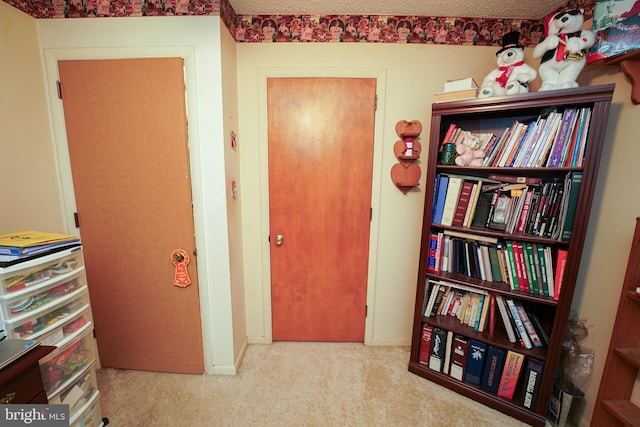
<point>564,50</point>
<point>512,75</point>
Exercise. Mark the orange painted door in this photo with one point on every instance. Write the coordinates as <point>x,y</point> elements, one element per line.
<point>127,136</point>
<point>320,167</point>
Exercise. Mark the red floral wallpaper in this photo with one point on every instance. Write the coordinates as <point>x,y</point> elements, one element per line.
<point>309,28</point>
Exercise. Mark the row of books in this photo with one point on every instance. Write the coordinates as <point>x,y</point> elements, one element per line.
<point>504,373</point>
<point>481,310</point>
<point>525,205</point>
<point>469,305</point>
<point>553,139</point>
<point>525,266</point>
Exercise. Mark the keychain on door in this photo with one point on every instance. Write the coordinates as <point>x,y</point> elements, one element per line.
<point>180,259</point>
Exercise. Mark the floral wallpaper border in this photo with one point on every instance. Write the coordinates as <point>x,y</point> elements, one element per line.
<point>309,28</point>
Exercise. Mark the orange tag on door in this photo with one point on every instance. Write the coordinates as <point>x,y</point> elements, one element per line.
<point>180,259</point>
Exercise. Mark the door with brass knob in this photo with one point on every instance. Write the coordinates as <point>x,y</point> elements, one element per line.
<point>320,150</point>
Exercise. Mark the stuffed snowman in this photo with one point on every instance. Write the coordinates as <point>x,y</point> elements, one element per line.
<point>512,75</point>
<point>564,50</point>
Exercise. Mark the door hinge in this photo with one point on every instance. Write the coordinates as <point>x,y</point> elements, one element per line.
<point>76,219</point>
<point>370,214</point>
<point>366,311</point>
<point>375,107</point>
<point>94,333</point>
<point>59,87</point>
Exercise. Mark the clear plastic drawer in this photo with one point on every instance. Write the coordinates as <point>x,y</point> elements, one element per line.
<point>37,272</point>
<point>40,300</point>
<point>64,366</point>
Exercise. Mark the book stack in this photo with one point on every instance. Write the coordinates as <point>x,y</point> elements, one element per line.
<point>502,372</point>
<point>457,89</point>
<point>25,244</point>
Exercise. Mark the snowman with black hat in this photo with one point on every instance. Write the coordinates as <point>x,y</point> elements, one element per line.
<point>513,75</point>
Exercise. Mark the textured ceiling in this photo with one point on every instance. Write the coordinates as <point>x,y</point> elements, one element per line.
<point>515,9</point>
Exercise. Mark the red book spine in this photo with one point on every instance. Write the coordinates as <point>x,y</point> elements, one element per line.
<point>523,280</point>
<point>463,204</point>
<point>524,214</point>
<point>510,374</point>
<point>516,179</point>
<point>425,345</point>
<point>447,136</point>
<point>561,263</point>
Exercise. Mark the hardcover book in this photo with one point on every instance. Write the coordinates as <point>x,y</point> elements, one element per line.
<point>492,371</point>
<point>442,193</point>
<point>561,263</point>
<point>459,353</point>
<point>504,315</point>
<point>483,206</point>
<point>463,203</point>
<point>528,324</point>
<point>447,353</point>
<point>458,94</point>
<point>425,344</point>
<point>532,379</point>
<point>451,200</point>
<point>510,374</point>
<point>572,201</point>
<point>524,336</point>
<point>475,362</point>
<point>438,344</point>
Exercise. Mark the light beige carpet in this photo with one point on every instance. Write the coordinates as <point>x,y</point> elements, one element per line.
<point>294,384</point>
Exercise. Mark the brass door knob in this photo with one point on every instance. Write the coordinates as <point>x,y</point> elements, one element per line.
<point>279,239</point>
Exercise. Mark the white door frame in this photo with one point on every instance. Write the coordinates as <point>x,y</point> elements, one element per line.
<point>63,163</point>
<point>380,75</point>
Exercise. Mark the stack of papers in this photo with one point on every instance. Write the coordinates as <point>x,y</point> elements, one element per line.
<point>24,244</point>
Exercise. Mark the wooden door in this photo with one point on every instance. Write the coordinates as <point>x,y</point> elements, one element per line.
<point>320,167</point>
<point>127,136</point>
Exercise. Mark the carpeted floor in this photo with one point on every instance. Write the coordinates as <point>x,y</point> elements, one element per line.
<point>293,384</point>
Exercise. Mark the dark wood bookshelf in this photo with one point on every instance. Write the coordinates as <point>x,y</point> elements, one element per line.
<point>613,407</point>
<point>491,115</point>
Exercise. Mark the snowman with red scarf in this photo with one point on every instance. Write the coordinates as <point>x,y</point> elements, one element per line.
<point>564,49</point>
<point>513,75</point>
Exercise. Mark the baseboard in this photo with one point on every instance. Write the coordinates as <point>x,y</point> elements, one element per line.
<point>390,342</point>
<point>385,341</point>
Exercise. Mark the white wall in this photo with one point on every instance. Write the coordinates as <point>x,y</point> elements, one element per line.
<point>28,173</point>
<point>234,204</point>
<point>197,39</point>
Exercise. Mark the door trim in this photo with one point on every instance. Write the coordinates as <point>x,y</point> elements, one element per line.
<point>380,74</point>
<point>63,162</point>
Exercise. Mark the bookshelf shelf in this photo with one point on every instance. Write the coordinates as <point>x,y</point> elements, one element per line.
<point>612,407</point>
<point>453,253</point>
<point>631,355</point>
<point>624,411</point>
